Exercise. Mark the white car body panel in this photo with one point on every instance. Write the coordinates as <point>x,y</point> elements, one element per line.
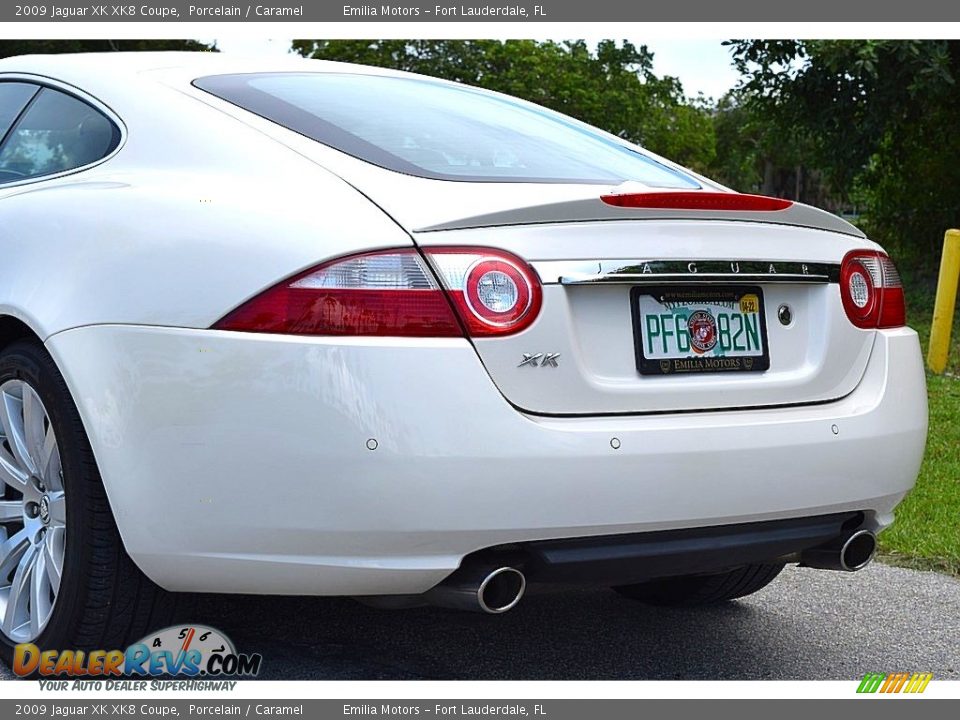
<point>239,462</point>
<point>253,472</point>
<point>126,267</point>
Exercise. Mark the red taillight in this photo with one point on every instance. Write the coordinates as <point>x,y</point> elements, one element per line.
<point>871,290</point>
<point>394,293</point>
<point>697,200</point>
<point>494,292</point>
<point>388,293</point>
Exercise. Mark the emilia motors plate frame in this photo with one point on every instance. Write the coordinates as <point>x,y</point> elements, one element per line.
<point>693,363</point>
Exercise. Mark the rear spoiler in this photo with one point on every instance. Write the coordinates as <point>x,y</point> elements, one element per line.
<point>595,209</point>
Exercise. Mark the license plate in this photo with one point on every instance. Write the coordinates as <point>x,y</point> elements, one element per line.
<point>695,330</point>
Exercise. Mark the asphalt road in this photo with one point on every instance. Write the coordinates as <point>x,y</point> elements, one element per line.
<point>807,625</point>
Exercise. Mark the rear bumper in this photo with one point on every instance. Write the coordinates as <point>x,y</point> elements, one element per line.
<point>622,559</point>
<point>241,463</point>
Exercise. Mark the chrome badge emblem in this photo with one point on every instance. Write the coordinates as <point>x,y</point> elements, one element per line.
<point>540,360</point>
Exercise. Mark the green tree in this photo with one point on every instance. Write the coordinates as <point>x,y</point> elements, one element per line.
<point>9,48</point>
<point>612,86</point>
<point>877,118</point>
<point>740,145</point>
<point>756,155</point>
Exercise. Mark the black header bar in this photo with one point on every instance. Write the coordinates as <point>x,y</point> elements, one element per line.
<point>509,11</point>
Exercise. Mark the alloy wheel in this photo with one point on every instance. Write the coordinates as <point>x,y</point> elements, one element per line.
<point>32,513</point>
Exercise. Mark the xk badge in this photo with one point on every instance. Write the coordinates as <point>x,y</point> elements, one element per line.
<point>540,360</point>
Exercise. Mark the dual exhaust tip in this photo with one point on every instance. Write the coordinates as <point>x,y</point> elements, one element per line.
<point>495,588</point>
<point>848,553</point>
<point>489,589</point>
<point>501,590</point>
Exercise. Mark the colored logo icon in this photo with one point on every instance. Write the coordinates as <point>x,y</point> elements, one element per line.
<point>895,682</point>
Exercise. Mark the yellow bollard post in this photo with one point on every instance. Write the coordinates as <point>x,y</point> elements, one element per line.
<point>946,301</point>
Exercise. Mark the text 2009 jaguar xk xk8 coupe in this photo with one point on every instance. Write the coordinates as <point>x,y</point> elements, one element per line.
<point>308,328</point>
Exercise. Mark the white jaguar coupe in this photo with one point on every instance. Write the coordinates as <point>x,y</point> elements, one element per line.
<point>297,327</point>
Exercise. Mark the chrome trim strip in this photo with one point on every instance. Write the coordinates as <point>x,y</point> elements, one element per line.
<point>638,272</point>
<point>688,279</point>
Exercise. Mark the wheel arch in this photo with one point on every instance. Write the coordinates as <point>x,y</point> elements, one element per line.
<point>101,593</point>
<point>12,329</point>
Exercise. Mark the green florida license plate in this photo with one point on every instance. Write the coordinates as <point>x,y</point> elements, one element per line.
<point>694,330</point>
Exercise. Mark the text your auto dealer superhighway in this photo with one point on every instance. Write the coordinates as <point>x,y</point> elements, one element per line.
<point>248,11</point>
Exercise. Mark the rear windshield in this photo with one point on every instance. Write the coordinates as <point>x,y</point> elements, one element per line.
<point>436,130</point>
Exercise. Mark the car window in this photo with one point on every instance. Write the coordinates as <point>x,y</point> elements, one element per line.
<point>14,97</point>
<point>57,132</point>
<point>437,130</point>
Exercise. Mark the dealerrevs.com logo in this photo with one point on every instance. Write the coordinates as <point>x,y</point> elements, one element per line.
<point>190,651</point>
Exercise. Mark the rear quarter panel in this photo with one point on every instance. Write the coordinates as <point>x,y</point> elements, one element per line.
<point>195,213</point>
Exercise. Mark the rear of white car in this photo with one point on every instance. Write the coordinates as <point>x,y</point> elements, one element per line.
<point>446,372</point>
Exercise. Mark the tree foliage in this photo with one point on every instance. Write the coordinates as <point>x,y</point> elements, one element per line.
<point>612,86</point>
<point>877,117</point>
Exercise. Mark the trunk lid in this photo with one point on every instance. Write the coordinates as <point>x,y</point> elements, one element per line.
<point>594,274</point>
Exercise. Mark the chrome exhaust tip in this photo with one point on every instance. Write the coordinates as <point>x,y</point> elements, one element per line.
<point>488,589</point>
<point>858,551</point>
<point>847,553</point>
<point>501,590</point>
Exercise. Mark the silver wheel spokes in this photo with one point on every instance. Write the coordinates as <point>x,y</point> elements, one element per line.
<point>32,513</point>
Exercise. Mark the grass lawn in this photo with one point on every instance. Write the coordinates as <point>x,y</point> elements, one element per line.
<point>927,531</point>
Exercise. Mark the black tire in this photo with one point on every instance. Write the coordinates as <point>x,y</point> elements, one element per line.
<point>104,601</point>
<point>699,590</point>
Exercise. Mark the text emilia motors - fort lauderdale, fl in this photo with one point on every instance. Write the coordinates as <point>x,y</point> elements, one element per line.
<point>445,11</point>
